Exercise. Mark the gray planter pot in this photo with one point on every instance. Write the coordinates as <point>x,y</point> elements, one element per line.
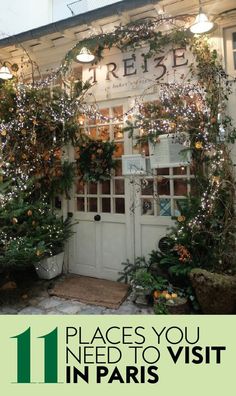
<point>216,293</point>
<point>50,267</point>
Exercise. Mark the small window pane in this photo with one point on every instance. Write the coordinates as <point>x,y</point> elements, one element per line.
<point>91,120</point>
<point>163,187</point>
<point>147,187</point>
<point>180,170</point>
<point>105,114</point>
<point>118,169</point>
<point>106,187</point>
<point>119,150</point>
<point>80,187</point>
<point>92,205</point>
<point>234,60</point>
<point>119,187</point>
<point>103,133</point>
<point>179,204</point>
<point>180,187</point>
<point>119,205</point>
<point>147,207</point>
<point>117,111</point>
<point>118,132</point>
<point>163,171</point>
<point>106,205</point>
<point>92,188</point>
<point>144,149</point>
<point>92,132</point>
<point>80,204</point>
<point>165,207</point>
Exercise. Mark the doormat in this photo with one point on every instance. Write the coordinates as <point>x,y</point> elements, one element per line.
<point>91,291</point>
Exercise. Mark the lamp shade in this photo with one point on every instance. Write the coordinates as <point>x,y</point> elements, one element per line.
<point>5,73</point>
<point>85,56</point>
<point>201,24</point>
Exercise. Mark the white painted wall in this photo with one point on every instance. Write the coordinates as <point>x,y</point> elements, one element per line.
<point>17,16</point>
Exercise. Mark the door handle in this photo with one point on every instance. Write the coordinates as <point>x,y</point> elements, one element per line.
<point>97,217</point>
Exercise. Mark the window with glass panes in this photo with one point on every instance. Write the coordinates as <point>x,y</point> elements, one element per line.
<point>106,196</point>
<point>163,190</point>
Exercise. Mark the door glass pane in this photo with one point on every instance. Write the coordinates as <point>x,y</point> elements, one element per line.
<point>180,170</point>
<point>104,113</point>
<point>80,204</point>
<point>92,205</point>
<point>103,132</point>
<point>164,207</point>
<point>163,187</point>
<point>118,132</point>
<point>106,205</point>
<point>179,204</point>
<point>163,171</point>
<point>117,111</point>
<point>119,150</point>
<point>147,207</point>
<point>106,187</point>
<point>92,132</point>
<point>144,149</point>
<point>118,169</point>
<point>119,187</point>
<point>147,187</point>
<point>92,188</point>
<point>80,187</point>
<point>119,205</point>
<point>180,187</point>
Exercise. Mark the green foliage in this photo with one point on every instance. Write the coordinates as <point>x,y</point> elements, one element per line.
<point>95,161</point>
<point>160,307</point>
<point>30,231</point>
<point>141,274</point>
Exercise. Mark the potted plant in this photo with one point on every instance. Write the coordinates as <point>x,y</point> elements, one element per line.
<point>51,241</point>
<point>31,233</point>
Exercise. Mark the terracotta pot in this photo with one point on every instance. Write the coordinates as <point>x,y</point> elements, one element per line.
<point>216,293</point>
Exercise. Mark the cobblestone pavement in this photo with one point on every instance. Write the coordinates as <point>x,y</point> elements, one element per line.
<point>36,300</point>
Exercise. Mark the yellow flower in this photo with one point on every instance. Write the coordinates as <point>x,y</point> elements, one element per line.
<point>198,145</point>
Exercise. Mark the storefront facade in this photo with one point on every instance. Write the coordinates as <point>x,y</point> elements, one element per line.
<point>126,216</point>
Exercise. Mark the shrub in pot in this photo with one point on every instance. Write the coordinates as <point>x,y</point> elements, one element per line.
<point>30,232</point>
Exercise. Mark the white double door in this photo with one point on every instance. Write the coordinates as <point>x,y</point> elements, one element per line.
<point>112,225</point>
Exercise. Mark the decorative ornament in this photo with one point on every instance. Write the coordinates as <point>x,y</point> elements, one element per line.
<point>29,213</point>
<point>181,219</point>
<point>216,180</point>
<point>14,220</point>
<point>198,145</point>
